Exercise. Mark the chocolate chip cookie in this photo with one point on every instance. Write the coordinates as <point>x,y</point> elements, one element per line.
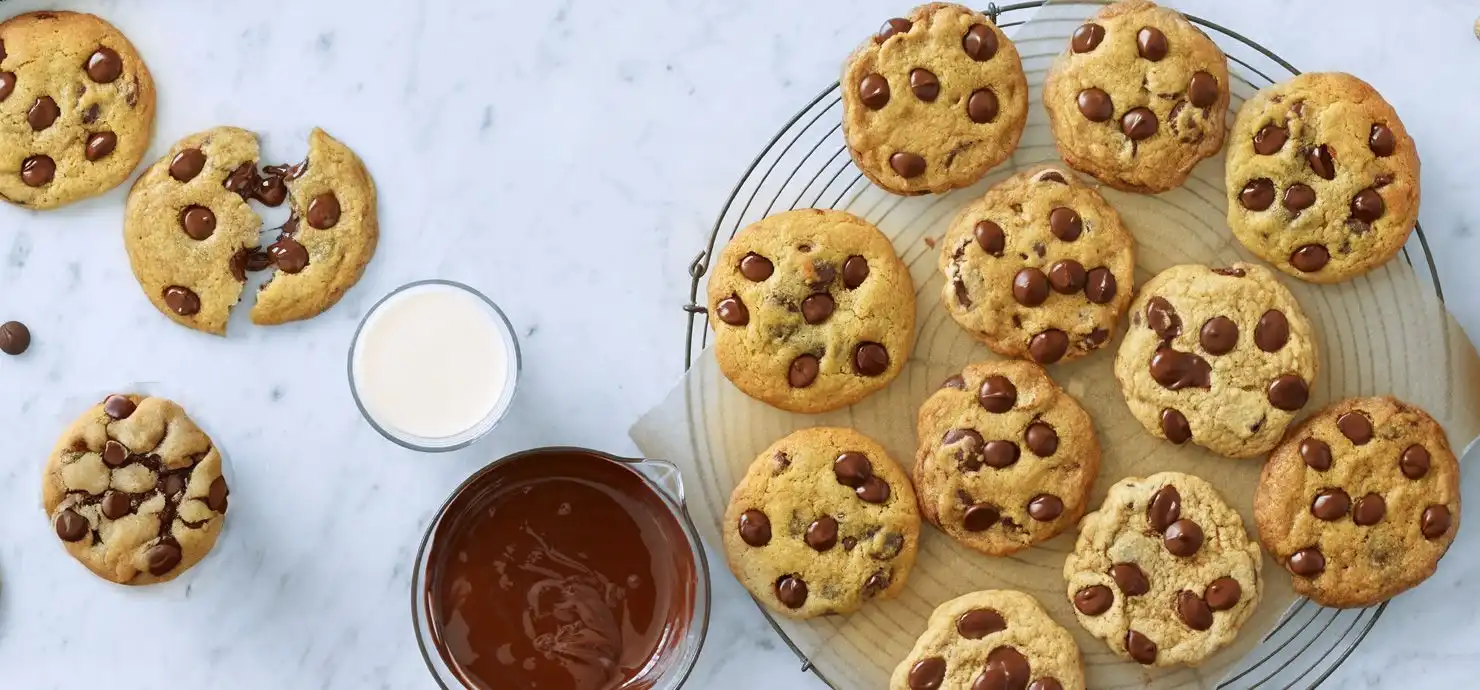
<point>134,490</point>
<point>1006,458</point>
<point>933,100</point>
<point>1360,502</point>
<point>991,639</point>
<point>1221,357</point>
<point>80,108</point>
<point>1163,572</point>
<point>192,237</point>
<point>1322,177</point>
<point>822,523</point>
<point>1138,98</point>
<point>1040,267</point>
<point>812,310</point>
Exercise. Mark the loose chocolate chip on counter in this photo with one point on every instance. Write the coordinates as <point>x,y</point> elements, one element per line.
<point>323,211</point>
<point>1151,43</point>
<point>1320,162</point>
<point>1140,647</point>
<point>822,534</point>
<point>1162,318</point>
<point>1094,600</point>
<point>99,145</point>
<point>1130,579</point>
<point>855,271</point>
<point>42,113</point>
<point>1193,611</point>
<point>756,268</point>
<point>1381,141</point>
<point>1041,439</point>
<point>116,505</point>
<point>1257,195</point>
<point>1045,507</point>
<point>1095,105</point>
<point>897,25</point>
<point>1272,332</point>
<point>187,164</point>
<point>1100,286</point>
<point>38,170</point>
<point>1316,454</point>
<point>803,371</point>
<point>874,490</point>
<point>181,300</point>
<point>924,84</point>
<point>1310,258</point>
<point>216,496</point>
<point>1298,197</point>
<point>1165,508</point>
<point>989,237</point>
<point>15,338</point>
<point>1223,594</point>
<point>1356,427</point>
<point>1175,370</point>
<point>291,257</point>
<point>1369,510</point>
<point>162,557</point>
<point>1219,335</point>
<point>997,394</point>
<point>755,528</point>
<point>1049,346</point>
<point>104,65</point>
<point>873,91</point>
<point>817,307</point>
<point>1175,427</point>
<point>1183,538</point>
<point>1270,139</point>
<point>978,623</point>
<point>870,359</point>
<point>1030,287</point>
<point>1367,205</point>
<point>1330,504</point>
<point>1138,123</point>
<point>1288,392</point>
<point>791,590</point>
<point>927,674</point>
<point>1435,522</point>
<point>982,107</point>
<point>852,469</point>
<point>1307,562</point>
<point>1007,669</point>
<point>980,42</point>
<point>957,382</point>
<point>198,222</point>
<point>1202,90</point>
<point>980,517</point>
<point>1087,37</point>
<point>7,84</point>
<point>1414,462</point>
<point>115,454</point>
<point>1000,454</point>
<point>71,526</point>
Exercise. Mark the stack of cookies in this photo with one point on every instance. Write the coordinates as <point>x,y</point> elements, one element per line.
<point>813,311</point>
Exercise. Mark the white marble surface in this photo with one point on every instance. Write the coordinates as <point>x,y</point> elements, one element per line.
<point>567,158</point>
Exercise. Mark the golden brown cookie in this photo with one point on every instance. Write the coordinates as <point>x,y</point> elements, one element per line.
<point>812,310</point>
<point>1138,98</point>
<point>1006,458</point>
<point>134,490</point>
<point>1360,502</point>
<point>79,108</point>
<point>933,100</point>
<point>823,522</point>
<point>991,639</point>
<point>1322,177</point>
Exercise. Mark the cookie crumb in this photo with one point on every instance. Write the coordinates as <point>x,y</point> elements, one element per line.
<point>930,241</point>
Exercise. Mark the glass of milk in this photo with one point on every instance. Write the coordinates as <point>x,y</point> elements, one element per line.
<point>433,365</point>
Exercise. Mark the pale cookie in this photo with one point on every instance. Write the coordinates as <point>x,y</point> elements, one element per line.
<point>1139,97</point>
<point>933,100</point>
<point>1322,177</point>
<point>134,490</point>
<point>1039,267</point>
<point>812,310</point>
<point>823,522</point>
<point>988,640</point>
<point>1360,502</point>
<point>1163,572</point>
<point>79,108</point>
<point>1006,458</point>
<point>1222,357</point>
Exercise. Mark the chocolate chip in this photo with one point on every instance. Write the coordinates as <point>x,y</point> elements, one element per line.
<point>870,359</point>
<point>855,271</point>
<point>198,222</point>
<point>755,528</point>
<point>1320,162</point>
<point>1038,249</point>
<point>292,257</point>
<point>181,300</point>
<point>118,406</point>
<point>1151,43</point>
<point>997,394</point>
<point>1316,454</point>
<point>982,106</point>
<point>1270,139</point>
<point>1288,392</point>
<point>730,310</point>
<point>1330,504</point>
<point>1219,335</point>
<point>1030,287</point>
<point>1356,427</point>
<point>172,484</point>
<point>817,307</point>
<point>1175,370</point>
<point>755,267</point>
<point>1045,507</point>
<point>1272,332</point>
<point>972,447</point>
<point>1223,594</point>
<point>803,371</point>
<point>897,25</point>
<point>323,211</point>
<point>822,274</point>
<point>1065,224</point>
<point>1000,454</point>
<point>116,505</point>
<point>850,543</point>
<point>1257,195</point>
<point>272,190</point>
<point>1307,562</point>
<point>1162,318</point>
<point>791,590</point>
<point>1138,123</point>
<point>38,170</point>
<point>42,113</point>
<point>1435,522</point>
<point>104,66</point>
<point>1165,508</point>
<point>71,526</point>
<point>162,557</point>
<point>1193,611</point>
<point>90,115</point>
<point>989,237</point>
<point>957,382</point>
<point>1046,683</point>
<point>1066,276</point>
<point>15,338</point>
<point>115,454</point>
<point>1049,346</point>
<point>216,496</point>
<point>1310,258</point>
<point>875,584</point>
<point>99,145</point>
<point>980,42</point>
<point>1087,37</point>
<point>1041,439</point>
<point>1298,197</point>
<point>873,91</point>
<point>1414,462</point>
<point>1140,647</point>
<point>978,623</point>
<point>1367,205</point>
<point>924,84</point>
<point>927,674</point>
<point>980,517</point>
<point>874,490</point>
<point>1381,141</point>
<point>889,547</point>
<point>1175,427</point>
<point>1202,90</point>
<point>822,534</point>
<point>1006,669</point>
<point>187,164</point>
<point>1094,600</point>
<point>1183,538</point>
<point>7,84</point>
<point>907,164</point>
<point>1095,105</point>
<point>1100,286</point>
<point>852,469</point>
<point>1130,579</point>
<point>1369,510</point>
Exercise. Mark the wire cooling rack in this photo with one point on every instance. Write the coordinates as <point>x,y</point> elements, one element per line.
<point>806,164</point>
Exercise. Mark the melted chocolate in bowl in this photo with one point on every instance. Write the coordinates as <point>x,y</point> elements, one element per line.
<point>559,570</point>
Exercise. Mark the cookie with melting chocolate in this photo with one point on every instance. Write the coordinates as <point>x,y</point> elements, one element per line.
<point>991,639</point>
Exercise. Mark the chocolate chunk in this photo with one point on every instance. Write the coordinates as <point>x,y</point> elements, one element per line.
<point>1307,562</point>
<point>38,170</point>
<point>817,307</point>
<point>855,271</point>
<point>198,222</point>
<point>1151,43</point>
<point>1165,508</point>
<point>1381,141</point>
<point>1175,427</point>
<point>997,394</point>
<point>1066,276</point>
<point>889,547</point>
<point>1367,205</point>
<point>172,484</point>
<point>1356,427</point>
<point>118,406</point>
<point>1045,507</point>
<point>755,528</point>
<point>1130,579</point>
<point>1288,392</point>
<point>323,211</point>
<point>870,359</point>
<point>1257,195</point>
<point>1087,37</point>
<point>291,257</point>
<point>1330,504</point>
<point>1202,90</point>
<point>15,338</point>
<point>907,164</point>
<point>1183,538</point>
<point>897,25</point>
<point>272,190</point>
<point>729,310</point>
<point>852,469</point>
<point>116,505</point>
<point>1175,370</point>
<point>989,237</point>
<point>1065,224</point>
<point>980,42</point>
<point>927,674</point>
<point>1298,197</point>
<point>162,557</point>
<point>1100,286</point>
<point>7,84</point>
<point>1223,594</point>
<point>1000,454</point>
<point>187,164</point>
<point>803,371</point>
<point>822,274</point>
<point>980,517</point>
<point>822,534</point>
<point>42,113</point>
<point>104,66</point>
<point>924,84</point>
<point>1095,105</point>
<point>1435,522</point>
<point>1270,139</point>
<point>1219,335</point>
<point>71,526</point>
<point>1320,162</point>
<point>791,590</point>
<point>1310,258</point>
<point>1193,611</point>
<point>115,454</point>
<point>1041,439</point>
<point>755,267</point>
<point>1094,600</point>
<point>1140,647</point>
<point>1414,462</point>
<point>874,490</point>
<point>1162,318</point>
<point>873,91</point>
<point>982,107</point>
<point>1316,454</point>
<point>1030,287</point>
<point>99,145</point>
<point>1049,346</point>
<point>216,496</point>
<point>1006,669</point>
<point>957,382</point>
<point>875,584</point>
<point>1369,510</point>
<point>1272,332</point>
<point>978,623</point>
<point>1138,123</point>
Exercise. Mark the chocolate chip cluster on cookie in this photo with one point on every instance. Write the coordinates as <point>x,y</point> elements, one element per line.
<point>989,640</point>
